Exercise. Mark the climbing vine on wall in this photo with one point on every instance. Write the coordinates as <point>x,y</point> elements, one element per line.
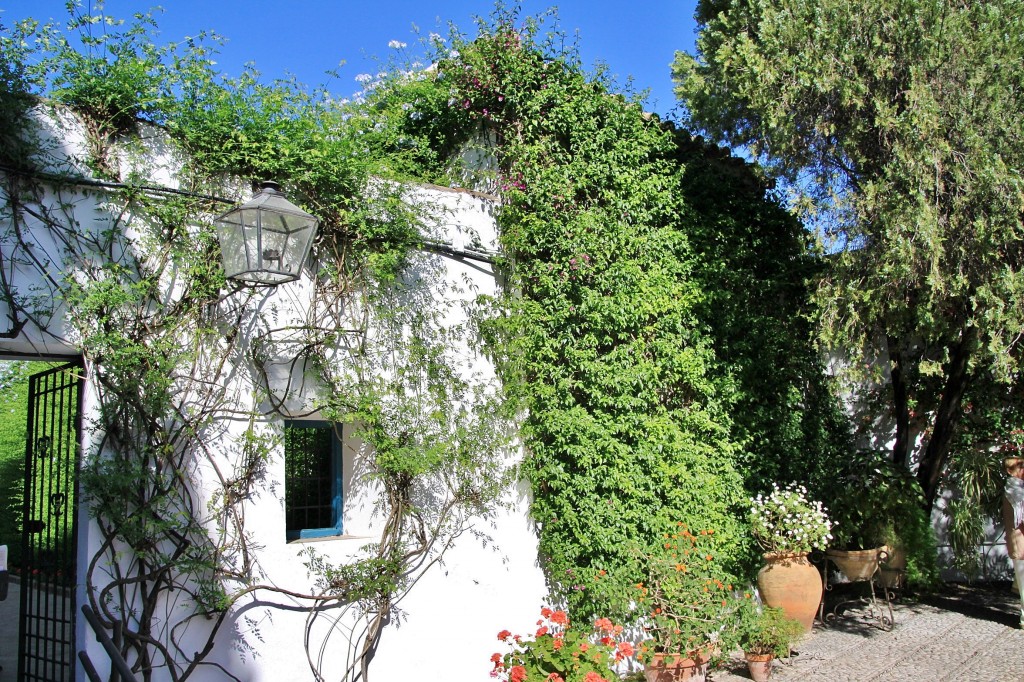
<point>651,279</point>
<point>176,354</point>
<point>626,429</point>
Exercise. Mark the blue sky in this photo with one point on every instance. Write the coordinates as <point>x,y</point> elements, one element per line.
<point>309,37</point>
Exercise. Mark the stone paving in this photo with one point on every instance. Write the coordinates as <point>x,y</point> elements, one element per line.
<point>963,634</point>
<point>9,633</point>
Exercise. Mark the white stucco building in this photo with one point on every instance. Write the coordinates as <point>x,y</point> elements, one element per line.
<point>482,579</point>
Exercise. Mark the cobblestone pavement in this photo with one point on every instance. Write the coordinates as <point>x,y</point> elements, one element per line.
<point>963,634</point>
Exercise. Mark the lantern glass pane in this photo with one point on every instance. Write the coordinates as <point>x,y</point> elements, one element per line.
<point>232,243</point>
<point>274,243</point>
<point>250,238</point>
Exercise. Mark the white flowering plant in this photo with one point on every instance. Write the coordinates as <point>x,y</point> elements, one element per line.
<point>785,521</point>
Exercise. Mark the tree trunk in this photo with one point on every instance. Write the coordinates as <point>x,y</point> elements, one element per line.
<point>933,461</point>
<point>900,401</point>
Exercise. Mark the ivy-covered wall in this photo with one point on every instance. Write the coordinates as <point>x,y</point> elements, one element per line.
<point>655,331</point>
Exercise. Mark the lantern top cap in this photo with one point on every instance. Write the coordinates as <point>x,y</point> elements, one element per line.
<point>269,197</point>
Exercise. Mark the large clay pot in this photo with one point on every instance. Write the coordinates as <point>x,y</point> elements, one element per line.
<point>856,564</point>
<point>676,668</point>
<point>759,666</point>
<point>790,582</point>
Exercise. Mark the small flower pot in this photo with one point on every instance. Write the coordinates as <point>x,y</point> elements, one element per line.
<point>759,666</point>
<point>676,668</point>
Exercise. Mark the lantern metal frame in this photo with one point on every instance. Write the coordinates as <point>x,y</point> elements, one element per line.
<point>265,240</point>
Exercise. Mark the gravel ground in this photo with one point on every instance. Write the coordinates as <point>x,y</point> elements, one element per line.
<point>962,633</point>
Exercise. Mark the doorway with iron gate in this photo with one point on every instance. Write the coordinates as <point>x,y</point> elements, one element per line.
<point>46,557</point>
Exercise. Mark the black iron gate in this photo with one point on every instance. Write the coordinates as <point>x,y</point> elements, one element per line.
<point>47,642</point>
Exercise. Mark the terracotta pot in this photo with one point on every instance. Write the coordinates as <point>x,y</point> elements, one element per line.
<point>890,573</point>
<point>759,666</point>
<point>856,564</point>
<point>676,668</point>
<point>791,583</point>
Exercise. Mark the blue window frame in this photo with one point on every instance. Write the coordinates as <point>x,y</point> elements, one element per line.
<point>312,479</point>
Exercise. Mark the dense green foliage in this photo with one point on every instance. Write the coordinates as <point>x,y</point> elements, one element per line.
<point>652,334</point>
<point>13,415</point>
<point>898,126</point>
<point>754,265</point>
<point>625,425</point>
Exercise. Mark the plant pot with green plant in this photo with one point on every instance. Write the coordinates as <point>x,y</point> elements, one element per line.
<point>688,607</point>
<point>788,527</point>
<point>879,525</point>
<point>764,634</point>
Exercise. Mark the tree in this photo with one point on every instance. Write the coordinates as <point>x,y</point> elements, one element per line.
<point>898,126</point>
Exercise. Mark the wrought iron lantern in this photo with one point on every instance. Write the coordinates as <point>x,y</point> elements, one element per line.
<point>265,240</point>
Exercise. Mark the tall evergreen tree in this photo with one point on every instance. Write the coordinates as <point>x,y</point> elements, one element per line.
<point>899,126</point>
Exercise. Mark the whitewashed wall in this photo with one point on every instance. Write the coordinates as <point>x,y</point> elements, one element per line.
<point>451,617</point>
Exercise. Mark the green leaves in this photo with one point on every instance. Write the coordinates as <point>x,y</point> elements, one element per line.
<point>601,345</point>
<point>896,126</point>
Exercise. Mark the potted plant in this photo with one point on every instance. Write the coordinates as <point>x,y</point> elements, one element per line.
<point>875,507</point>
<point>788,527</point>
<point>562,652</point>
<point>765,633</point>
<point>687,604</point>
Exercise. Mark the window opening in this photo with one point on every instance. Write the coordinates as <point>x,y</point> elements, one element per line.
<point>312,479</point>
